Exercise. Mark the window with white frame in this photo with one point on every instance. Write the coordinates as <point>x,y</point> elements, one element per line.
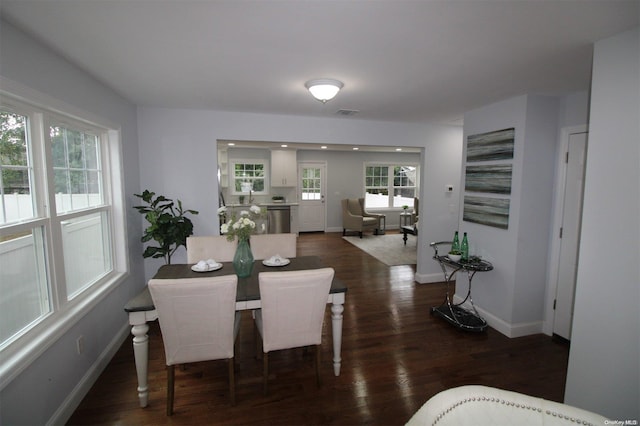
<point>60,212</point>
<point>311,184</point>
<point>390,185</point>
<point>249,175</point>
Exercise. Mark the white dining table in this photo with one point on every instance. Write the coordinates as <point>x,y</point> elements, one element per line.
<point>141,310</point>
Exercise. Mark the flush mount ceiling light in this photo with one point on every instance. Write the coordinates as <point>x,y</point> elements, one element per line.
<point>324,89</point>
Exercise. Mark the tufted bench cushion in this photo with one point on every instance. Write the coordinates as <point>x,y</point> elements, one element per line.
<point>482,405</point>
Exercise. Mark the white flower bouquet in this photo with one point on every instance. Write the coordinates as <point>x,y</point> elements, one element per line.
<point>244,225</point>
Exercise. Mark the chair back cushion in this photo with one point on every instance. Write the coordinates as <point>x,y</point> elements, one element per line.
<point>215,247</point>
<point>263,246</point>
<point>196,317</point>
<point>293,306</point>
<point>354,207</point>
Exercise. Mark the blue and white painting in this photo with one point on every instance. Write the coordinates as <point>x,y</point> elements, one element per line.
<point>491,146</point>
<point>487,211</point>
<point>495,179</point>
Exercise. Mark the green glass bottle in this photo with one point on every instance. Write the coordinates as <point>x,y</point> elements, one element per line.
<point>455,245</point>
<point>465,248</point>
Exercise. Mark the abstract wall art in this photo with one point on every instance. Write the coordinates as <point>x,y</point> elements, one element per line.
<point>487,211</point>
<point>491,146</point>
<point>494,151</point>
<point>494,178</point>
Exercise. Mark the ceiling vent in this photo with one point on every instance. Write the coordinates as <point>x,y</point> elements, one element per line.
<point>347,112</point>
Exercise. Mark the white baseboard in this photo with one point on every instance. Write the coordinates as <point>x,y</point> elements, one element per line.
<point>73,400</point>
<point>509,330</point>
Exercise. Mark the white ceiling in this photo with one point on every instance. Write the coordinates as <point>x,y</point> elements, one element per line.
<point>406,61</point>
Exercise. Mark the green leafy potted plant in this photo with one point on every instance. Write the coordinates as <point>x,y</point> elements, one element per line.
<point>454,255</point>
<point>168,225</point>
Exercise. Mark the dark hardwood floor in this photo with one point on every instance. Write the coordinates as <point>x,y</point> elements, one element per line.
<point>395,356</point>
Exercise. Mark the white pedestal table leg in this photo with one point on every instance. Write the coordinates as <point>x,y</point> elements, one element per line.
<point>336,327</point>
<point>139,329</point>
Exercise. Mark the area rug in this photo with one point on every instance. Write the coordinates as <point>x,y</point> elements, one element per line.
<point>388,249</point>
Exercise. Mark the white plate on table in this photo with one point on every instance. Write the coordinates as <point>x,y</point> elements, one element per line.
<point>276,262</point>
<point>207,268</point>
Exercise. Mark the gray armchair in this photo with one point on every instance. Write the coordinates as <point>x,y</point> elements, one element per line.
<point>356,218</point>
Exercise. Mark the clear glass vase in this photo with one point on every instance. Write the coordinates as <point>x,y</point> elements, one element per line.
<point>243,259</point>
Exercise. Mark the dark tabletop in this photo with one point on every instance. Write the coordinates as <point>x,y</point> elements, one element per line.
<point>248,288</point>
<point>471,265</point>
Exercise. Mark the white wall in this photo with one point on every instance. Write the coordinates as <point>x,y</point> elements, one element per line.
<point>50,388</point>
<point>535,199</point>
<point>440,210</point>
<point>493,291</point>
<point>180,152</point>
<point>511,297</point>
<point>573,110</point>
<point>604,372</point>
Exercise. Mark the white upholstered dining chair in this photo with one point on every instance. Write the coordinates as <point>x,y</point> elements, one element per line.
<point>292,313</point>
<point>215,247</point>
<point>198,322</point>
<point>263,246</point>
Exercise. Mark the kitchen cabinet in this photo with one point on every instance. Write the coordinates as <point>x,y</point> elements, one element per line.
<point>284,168</point>
<point>223,168</point>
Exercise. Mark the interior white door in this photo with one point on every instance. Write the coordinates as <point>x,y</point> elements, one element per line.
<point>312,209</point>
<point>570,234</point>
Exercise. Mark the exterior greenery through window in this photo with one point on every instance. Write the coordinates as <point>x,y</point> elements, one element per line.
<point>311,184</point>
<point>76,168</point>
<point>249,176</point>
<point>390,185</point>
<point>51,257</point>
<point>13,156</point>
